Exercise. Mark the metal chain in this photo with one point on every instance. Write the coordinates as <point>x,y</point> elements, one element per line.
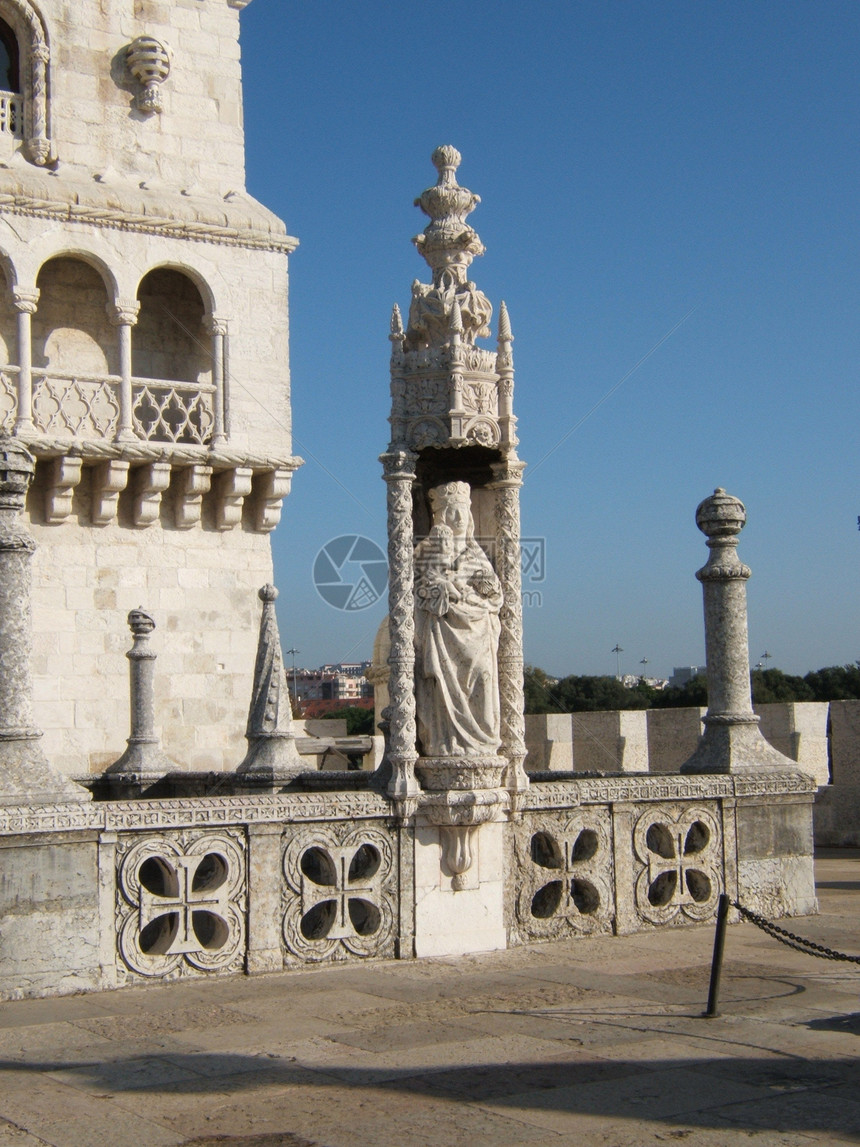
<point>799,943</point>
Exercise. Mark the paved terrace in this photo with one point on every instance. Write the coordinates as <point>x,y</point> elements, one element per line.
<point>587,1042</point>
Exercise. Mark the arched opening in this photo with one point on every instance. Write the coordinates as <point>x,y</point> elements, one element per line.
<point>75,352</point>
<point>171,360</point>
<point>10,60</point>
<point>8,357</point>
<point>11,98</point>
<point>169,340</point>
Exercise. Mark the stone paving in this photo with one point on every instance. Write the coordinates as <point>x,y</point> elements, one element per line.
<point>595,1041</point>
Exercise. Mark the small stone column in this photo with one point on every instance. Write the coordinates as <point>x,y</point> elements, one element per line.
<point>399,475</point>
<point>218,330</point>
<point>143,760</point>
<point>124,317</point>
<point>26,777</point>
<point>25,302</point>
<point>732,742</point>
<point>272,754</point>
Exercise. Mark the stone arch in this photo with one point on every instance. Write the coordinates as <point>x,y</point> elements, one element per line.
<point>72,332</point>
<point>29,119</point>
<point>170,340</point>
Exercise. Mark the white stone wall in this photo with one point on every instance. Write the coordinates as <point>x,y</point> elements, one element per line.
<point>201,588</point>
<point>197,140</point>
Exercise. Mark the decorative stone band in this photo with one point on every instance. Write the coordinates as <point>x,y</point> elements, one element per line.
<point>575,791</point>
<point>104,216</point>
<point>724,573</point>
<point>460,773</point>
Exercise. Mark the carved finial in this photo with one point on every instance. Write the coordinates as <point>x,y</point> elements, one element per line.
<point>505,335</point>
<point>272,753</point>
<point>721,515</point>
<point>140,622</point>
<point>449,245</point>
<point>446,160</point>
<point>396,323</point>
<point>455,324</point>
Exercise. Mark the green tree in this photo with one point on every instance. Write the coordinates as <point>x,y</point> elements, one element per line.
<point>772,685</point>
<point>837,683</point>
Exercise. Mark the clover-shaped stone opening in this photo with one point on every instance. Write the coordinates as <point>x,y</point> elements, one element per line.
<point>210,873</point>
<point>317,923</point>
<point>157,937</point>
<point>365,864</point>
<point>698,885</point>
<point>585,896</point>
<point>662,890</point>
<point>211,930</point>
<point>697,838</point>
<point>585,846</point>
<point>158,877</point>
<point>659,840</point>
<point>365,917</point>
<point>318,866</point>
<point>547,900</point>
<point>545,851</point>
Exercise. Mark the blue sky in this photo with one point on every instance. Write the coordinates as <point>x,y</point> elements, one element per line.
<point>641,165</point>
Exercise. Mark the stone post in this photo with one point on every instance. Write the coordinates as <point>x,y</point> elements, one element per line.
<point>399,475</point>
<point>272,754</point>
<point>218,330</point>
<point>26,777</point>
<point>507,480</point>
<point>731,742</point>
<point>25,302</point>
<point>124,316</point>
<point>143,760</point>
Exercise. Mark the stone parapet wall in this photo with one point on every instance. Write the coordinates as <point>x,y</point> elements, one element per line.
<point>824,739</point>
<point>106,894</point>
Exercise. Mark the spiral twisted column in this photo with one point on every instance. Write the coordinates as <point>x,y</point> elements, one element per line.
<point>507,480</point>
<point>399,476</point>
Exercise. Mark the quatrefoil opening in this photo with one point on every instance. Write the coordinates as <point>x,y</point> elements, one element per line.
<point>663,889</point>
<point>320,869</point>
<point>546,853</point>
<point>161,880</point>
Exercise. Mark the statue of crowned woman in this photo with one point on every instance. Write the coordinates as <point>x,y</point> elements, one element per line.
<point>457,603</point>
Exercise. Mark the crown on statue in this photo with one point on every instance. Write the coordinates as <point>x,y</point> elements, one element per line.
<point>450,492</point>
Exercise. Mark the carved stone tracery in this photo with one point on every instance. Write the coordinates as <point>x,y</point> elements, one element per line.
<point>340,892</point>
<point>181,903</point>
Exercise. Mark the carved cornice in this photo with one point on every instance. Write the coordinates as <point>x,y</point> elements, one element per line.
<point>163,226</point>
<point>219,458</point>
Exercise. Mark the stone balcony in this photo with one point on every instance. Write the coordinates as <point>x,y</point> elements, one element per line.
<point>172,444</point>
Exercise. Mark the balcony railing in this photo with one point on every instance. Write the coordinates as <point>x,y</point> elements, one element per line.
<point>11,114</point>
<point>88,406</point>
<point>8,398</point>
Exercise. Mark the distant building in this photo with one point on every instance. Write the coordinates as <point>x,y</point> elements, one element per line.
<point>631,680</point>
<point>686,673</point>
<point>344,682</point>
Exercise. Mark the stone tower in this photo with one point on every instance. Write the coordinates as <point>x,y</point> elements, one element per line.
<point>143,335</point>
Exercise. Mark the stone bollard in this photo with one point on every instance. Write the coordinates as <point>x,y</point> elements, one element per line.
<point>143,762</point>
<point>731,742</point>
<point>26,777</point>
